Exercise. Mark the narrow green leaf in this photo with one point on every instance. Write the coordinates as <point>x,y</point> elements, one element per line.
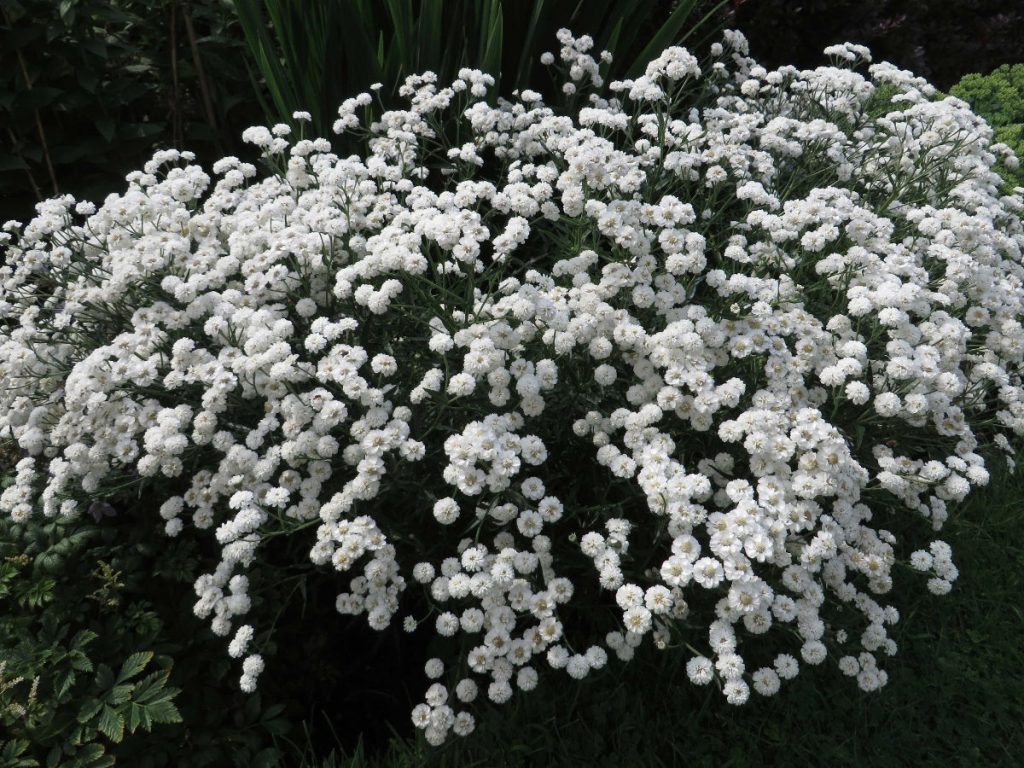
<point>429,34</point>
<point>667,35</point>
<point>613,39</point>
<point>630,17</point>
<point>529,57</point>
<point>164,712</point>
<point>490,48</point>
<point>709,25</point>
<point>262,49</point>
<point>399,18</point>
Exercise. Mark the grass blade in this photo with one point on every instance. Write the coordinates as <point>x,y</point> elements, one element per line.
<point>669,34</point>
<point>528,56</point>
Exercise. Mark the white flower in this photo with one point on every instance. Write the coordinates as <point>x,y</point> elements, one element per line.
<point>604,375</point>
<point>241,640</point>
<point>434,668</point>
<point>700,670</point>
<point>526,679</point>
<point>766,681</point>
<point>578,666</point>
<point>637,619</point>
<point>446,511</point>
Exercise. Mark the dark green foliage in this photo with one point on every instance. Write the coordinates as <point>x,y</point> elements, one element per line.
<point>96,620</point>
<point>999,98</point>
<point>88,88</point>
<point>74,680</point>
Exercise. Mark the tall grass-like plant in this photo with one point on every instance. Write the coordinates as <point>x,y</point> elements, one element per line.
<point>312,54</point>
<point>696,362</point>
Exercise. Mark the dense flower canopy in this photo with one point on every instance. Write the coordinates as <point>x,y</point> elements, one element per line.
<point>669,364</point>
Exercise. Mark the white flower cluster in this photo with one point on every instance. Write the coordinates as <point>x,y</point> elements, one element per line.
<point>680,370</point>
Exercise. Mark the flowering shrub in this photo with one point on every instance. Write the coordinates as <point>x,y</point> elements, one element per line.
<point>670,367</point>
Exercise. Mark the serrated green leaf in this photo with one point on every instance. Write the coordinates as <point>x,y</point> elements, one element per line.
<point>151,688</point>
<point>63,681</point>
<point>88,710</point>
<point>133,665</point>
<point>111,725</point>
<point>78,734</point>
<point>80,662</point>
<point>163,712</point>
<point>137,716</point>
<point>82,638</point>
<point>14,748</point>
<point>95,756</point>
<point>119,694</point>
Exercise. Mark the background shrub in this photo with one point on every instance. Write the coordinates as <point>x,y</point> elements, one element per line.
<point>999,98</point>
<point>88,88</point>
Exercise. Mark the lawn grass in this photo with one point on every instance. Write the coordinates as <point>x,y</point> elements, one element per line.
<point>955,695</point>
